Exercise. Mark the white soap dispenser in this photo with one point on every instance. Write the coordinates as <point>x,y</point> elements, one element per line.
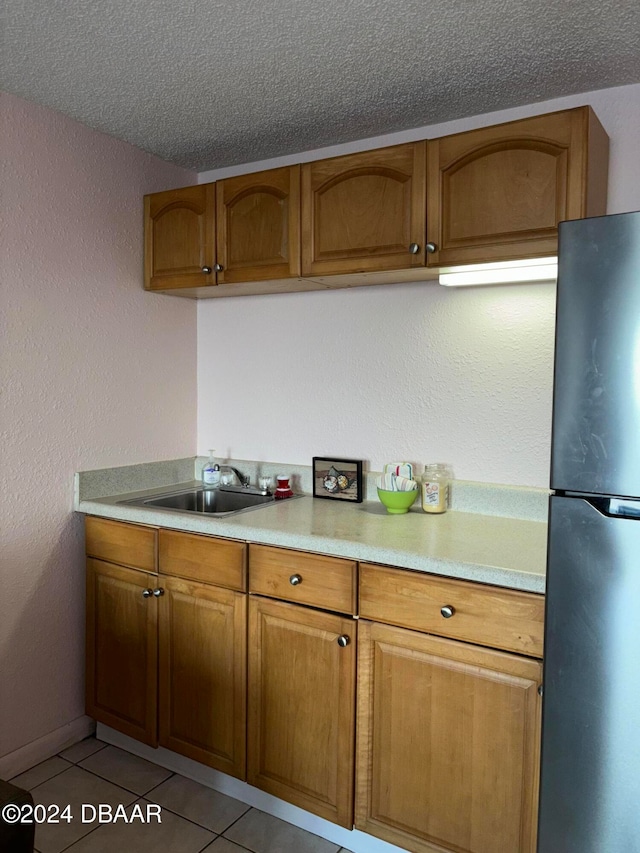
<point>211,473</point>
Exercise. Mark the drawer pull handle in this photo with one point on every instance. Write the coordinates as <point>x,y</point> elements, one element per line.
<point>343,640</point>
<point>158,592</point>
<point>447,611</point>
<point>294,580</point>
<point>147,593</point>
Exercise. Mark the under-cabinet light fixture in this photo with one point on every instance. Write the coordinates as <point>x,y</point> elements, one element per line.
<point>533,270</point>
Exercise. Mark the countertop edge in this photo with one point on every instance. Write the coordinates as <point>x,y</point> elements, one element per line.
<point>276,525</point>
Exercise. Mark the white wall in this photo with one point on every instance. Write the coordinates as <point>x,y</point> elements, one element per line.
<point>96,373</point>
<point>412,371</point>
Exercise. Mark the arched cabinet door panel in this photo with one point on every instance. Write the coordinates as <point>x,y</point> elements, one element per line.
<point>258,226</point>
<point>180,238</point>
<point>498,193</point>
<point>364,212</point>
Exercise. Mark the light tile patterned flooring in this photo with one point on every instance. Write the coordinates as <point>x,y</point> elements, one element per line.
<point>194,818</point>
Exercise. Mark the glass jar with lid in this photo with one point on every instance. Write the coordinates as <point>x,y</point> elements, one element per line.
<point>435,487</point>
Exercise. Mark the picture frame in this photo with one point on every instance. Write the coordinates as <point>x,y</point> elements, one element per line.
<point>337,479</point>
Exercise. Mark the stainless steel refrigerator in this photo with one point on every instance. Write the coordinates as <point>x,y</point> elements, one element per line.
<point>590,779</point>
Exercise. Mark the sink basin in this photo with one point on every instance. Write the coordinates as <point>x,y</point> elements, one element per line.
<point>216,502</point>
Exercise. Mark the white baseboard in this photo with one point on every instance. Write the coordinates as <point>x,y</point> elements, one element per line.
<point>44,747</point>
<point>353,840</point>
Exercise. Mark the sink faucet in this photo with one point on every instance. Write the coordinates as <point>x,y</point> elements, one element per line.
<point>241,478</point>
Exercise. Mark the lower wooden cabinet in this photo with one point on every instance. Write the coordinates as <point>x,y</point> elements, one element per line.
<point>166,656</point>
<point>122,649</point>
<point>302,669</point>
<point>443,744</point>
<point>202,673</point>
<point>448,740</point>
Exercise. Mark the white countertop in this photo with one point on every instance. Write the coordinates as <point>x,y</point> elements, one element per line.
<point>490,549</point>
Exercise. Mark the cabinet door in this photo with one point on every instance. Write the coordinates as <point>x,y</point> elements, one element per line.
<point>179,235</point>
<point>362,212</point>
<point>498,193</point>
<point>302,707</point>
<point>203,673</point>
<point>258,226</point>
<point>448,743</point>
<point>122,650</point>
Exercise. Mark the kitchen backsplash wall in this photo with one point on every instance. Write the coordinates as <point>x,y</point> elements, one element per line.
<point>411,371</point>
<point>416,372</point>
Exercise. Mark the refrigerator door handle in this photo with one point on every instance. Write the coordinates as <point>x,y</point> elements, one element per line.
<point>624,509</point>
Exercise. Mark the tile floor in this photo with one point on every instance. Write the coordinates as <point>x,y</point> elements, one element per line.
<point>194,818</point>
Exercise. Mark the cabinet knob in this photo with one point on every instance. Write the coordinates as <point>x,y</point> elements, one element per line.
<point>540,689</point>
<point>158,592</point>
<point>294,580</point>
<point>343,640</point>
<point>147,593</point>
<point>431,248</point>
<point>206,270</point>
<point>447,611</point>
<point>218,268</point>
<point>414,248</point>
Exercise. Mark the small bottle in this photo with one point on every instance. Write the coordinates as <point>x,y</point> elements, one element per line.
<point>211,473</point>
<point>435,488</point>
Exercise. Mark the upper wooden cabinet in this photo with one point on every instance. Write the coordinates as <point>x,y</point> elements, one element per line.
<point>364,212</point>
<point>498,193</point>
<point>389,215</point>
<point>179,238</point>
<point>258,226</point>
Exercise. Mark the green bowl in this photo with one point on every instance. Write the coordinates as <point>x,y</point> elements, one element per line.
<point>397,502</point>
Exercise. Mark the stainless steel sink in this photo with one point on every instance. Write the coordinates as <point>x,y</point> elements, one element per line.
<point>217,502</point>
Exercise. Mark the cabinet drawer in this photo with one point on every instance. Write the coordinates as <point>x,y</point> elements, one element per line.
<point>326,582</point>
<point>487,615</point>
<point>122,543</point>
<point>203,558</point>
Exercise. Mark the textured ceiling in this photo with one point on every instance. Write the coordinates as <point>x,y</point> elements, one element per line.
<point>208,83</point>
